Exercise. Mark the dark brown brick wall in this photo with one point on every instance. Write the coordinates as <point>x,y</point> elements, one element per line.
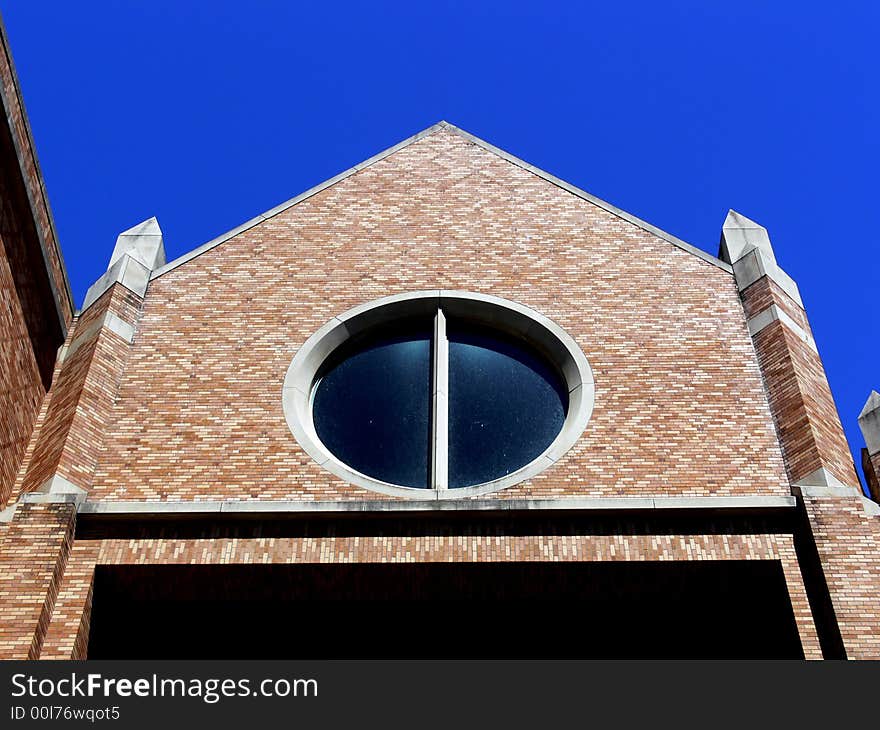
<point>29,173</point>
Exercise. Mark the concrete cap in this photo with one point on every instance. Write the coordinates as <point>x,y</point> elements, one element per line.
<point>869,422</point>
<point>741,235</point>
<point>132,274</point>
<point>143,243</point>
<point>745,245</point>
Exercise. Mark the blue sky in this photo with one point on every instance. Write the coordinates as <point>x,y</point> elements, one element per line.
<point>207,113</point>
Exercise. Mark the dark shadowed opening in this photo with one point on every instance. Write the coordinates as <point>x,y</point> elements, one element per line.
<point>710,609</point>
<point>20,242</point>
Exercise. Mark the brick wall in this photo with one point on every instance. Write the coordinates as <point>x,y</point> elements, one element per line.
<point>33,555</point>
<point>71,437</point>
<point>803,408</point>
<point>848,541</point>
<point>21,385</point>
<point>67,636</point>
<point>679,410</point>
<point>844,529</point>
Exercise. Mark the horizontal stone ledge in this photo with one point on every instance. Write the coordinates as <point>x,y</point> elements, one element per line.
<point>818,492</point>
<point>51,498</point>
<point>280,508</point>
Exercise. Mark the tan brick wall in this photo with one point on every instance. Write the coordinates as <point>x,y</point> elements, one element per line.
<point>30,332</point>
<point>26,460</point>
<point>33,555</point>
<point>67,635</point>
<point>680,407</point>
<point>848,542</point>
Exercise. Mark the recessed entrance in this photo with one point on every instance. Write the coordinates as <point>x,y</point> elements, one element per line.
<point>699,609</point>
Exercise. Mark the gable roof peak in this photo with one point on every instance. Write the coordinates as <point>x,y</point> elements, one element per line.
<point>445,125</point>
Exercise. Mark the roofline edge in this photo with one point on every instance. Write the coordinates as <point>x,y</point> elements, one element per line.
<point>7,52</point>
<point>583,194</point>
<point>614,210</point>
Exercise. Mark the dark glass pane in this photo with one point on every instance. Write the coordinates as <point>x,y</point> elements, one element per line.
<point>506,405</point>
<point>371,409</point>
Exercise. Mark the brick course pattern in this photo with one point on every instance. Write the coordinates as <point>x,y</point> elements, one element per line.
<point>72,438</point>
<point>67,636</point>
<point>199,409</point>
<point>811,436</point>
<point>766,292</point>
<point>806,418</point>
<point>21,387</point>
<point>33,555</point>
<point>848,542</point>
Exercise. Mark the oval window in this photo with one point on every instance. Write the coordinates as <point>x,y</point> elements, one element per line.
<point>438,394</point>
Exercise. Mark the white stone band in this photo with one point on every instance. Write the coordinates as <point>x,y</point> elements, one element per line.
<point>772,314</point>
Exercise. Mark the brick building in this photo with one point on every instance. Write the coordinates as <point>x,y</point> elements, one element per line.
<point>440,395</point>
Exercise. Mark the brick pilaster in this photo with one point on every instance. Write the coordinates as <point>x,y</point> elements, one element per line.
<point>34,547</point>
<point>814,447</point>
<point>37,528</point>
<point>69,437</point>
<point>844,525</point>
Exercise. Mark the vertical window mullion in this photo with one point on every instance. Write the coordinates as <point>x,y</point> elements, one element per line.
<point>440,405</point>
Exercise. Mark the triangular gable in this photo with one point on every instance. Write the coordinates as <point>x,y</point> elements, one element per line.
<point>475,140</point>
